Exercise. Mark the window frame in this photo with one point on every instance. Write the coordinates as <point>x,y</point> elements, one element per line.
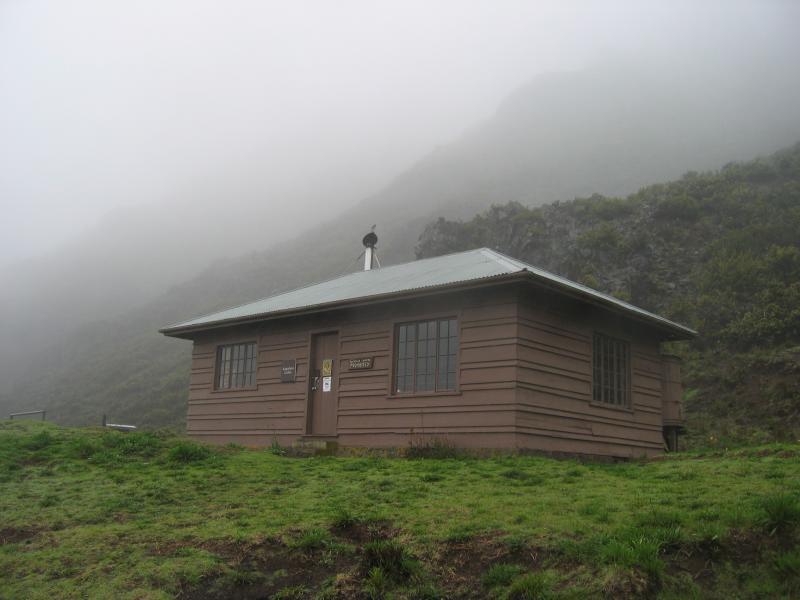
<point>218,365</point>
<point>627,390</point>
<point>416,320</point>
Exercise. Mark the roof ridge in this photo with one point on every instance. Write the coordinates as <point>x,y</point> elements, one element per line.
<point>505,260</point>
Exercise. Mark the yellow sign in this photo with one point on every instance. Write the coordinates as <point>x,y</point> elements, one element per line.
<point>327,367</point>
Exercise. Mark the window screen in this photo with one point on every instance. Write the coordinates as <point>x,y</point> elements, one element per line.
<point>426,356</point>
<point>611,371</point>
<point>236,366</point>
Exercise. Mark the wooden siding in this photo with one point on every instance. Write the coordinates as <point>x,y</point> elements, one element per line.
<point>480,413</point>
<point>554,382</point>
<point>524,379</point>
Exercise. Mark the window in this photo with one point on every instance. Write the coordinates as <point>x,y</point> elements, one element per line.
<point>611,371</point>
<point>426,356</point>
<point>236,366</point>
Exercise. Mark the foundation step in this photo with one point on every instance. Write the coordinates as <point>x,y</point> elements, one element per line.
<point>317,444</point>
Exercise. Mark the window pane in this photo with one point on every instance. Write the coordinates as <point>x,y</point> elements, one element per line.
<point>220,378</point>
<point>250,365</point>
<point>236,366</point>
<point>448,349</point>
<point>225,368</point>
<point>426,356</point>
<point>610,367</point>
<point>404,372</point>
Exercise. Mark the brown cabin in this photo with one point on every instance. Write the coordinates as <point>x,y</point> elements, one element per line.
<point>473,349</point>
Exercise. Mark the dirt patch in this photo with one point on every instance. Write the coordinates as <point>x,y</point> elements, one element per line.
<point>459,566</point>
<point>14,535</point>
<point>698,565</point>
<point>702,559</point>
<point>260,570</point>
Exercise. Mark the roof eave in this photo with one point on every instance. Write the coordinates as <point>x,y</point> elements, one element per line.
<point>674,331</point>
<point>182,332</point>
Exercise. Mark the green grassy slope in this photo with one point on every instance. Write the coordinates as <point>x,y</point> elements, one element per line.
<point>719,251</point>
<point>88,513</point>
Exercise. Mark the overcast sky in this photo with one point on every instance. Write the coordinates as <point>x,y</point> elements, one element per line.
<point>107,103</point>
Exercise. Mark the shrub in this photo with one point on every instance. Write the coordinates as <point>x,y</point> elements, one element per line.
<point>459,533</point>
<point>296,592</point>
<point>516,543</point>
<point>186,452</point>
<point>679,208</point>
<point>39,441</point>
<point>276,449</point>
<point>787,566</point>
<point>782,512</point>
<point>344,519</point>
<point>84,447</point>
<point>313,539</point>
<point>646,556</point>
<point>514,474</point>
<point>534,586</point>
<point>601,239</point>
<point>501,575</point>
<point>391,557</point>
<point>133,443</point>
<point>435,448</point>
<point>49,500</point>
<point>633,548</point>
<point>376,584</point>
<point>426,591</point>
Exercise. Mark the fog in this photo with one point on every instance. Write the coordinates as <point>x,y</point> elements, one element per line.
<point>286,112</point>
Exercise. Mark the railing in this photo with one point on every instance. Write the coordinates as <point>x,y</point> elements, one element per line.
<point>30,412</point>
<point>118,426</point>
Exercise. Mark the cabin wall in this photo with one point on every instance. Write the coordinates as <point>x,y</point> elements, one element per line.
<point>554,382</point>
<point>524,379</point>
<point>480,413</point>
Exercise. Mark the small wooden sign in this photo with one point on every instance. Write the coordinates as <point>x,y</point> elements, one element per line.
<point>358,364</point>
<point>288,369</point>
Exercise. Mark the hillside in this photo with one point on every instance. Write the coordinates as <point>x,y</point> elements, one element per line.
<point>101,514</point>
<point>608,129</point>
<point>719,251</point>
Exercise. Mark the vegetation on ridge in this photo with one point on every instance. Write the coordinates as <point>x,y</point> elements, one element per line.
<point>719,251</point>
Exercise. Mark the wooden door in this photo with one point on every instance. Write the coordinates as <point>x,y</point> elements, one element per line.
<point>324,384</point>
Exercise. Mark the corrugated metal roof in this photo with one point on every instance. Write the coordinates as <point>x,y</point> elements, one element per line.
<point>440,271</point>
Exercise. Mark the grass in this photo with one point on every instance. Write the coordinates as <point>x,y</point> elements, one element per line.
<point>532,586</point>
<point>501,575</point>
<point>93,513</point>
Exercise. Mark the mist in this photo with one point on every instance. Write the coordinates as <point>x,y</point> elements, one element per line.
<point>286,112</point>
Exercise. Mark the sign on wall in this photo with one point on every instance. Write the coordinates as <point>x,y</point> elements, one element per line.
<point>288,369</point>
<point>327,367</point>
<point>326,384</point>
<point>357,364</point>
